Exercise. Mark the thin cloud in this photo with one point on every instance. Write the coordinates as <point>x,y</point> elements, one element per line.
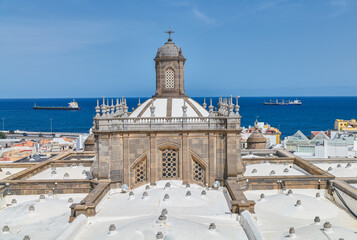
<point>267,5</point>
<point>35,36</point>
<point>340,7</point>
<point>203,17</point>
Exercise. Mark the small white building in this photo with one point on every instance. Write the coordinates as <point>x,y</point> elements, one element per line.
<point>339,145</point>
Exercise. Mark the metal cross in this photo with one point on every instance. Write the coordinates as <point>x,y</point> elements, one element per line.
<point>169,32</point>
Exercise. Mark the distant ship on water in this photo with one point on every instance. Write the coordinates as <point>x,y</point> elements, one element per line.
<point>71,106</point>
<point>283,102</point>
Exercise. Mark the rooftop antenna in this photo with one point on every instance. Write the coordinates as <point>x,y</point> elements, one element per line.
<point>169,32</point>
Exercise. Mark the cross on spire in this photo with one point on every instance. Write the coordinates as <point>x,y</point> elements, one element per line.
<point>169,32</point>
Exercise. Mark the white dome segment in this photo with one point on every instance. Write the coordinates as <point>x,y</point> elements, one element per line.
<point>170,107</point>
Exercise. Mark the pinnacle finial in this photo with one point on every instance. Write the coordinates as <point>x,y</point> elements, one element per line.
<point>169,32</point>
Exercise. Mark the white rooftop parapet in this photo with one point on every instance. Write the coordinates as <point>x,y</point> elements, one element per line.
<point>250,227</point>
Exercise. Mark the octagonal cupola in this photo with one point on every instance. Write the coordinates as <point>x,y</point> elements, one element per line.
<point>170,69</point>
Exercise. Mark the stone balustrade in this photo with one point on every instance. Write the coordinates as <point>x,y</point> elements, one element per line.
<point>162,123</point>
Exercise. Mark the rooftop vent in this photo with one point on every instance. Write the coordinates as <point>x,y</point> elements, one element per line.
<point>317,219</point>
<point>327,226</point>
<point>338,165</point>
<point>272,172</point>
<point>254,170</point>
<point>147,187</point>
<point>162,217</point>
<point>145,194</point>
<point>53,172</point>
<point>167,185</point>
<point>349,165</point>
<point>286,170</point>
<point>112,228</point>
<point>159,235</point>
<point>13,201</point>
<point>84,172</point>
<point>290,192</point>
<point>8,173</point>
<point>27,237</point>
<point>329,169</point>
<point>66,175</point>
<point>318,195</point>
<point>212,226</point>
<point>164,211</point>
<point>188,194</point>
<point>42,197</point>
<point>298,203</point>
<point>262,196</point>
<point>32,208</point>
<point>291,232</point>
<point>6,229</point>
<point>188,185</point>
<point>70,200</point>
<point>166,197</point>
<point>203,193</point>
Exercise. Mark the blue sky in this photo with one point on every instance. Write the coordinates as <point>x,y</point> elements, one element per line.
<point>84,48</point>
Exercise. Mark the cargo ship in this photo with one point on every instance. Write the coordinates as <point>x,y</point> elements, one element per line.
<point>283,102</point>
<point>71,106</point>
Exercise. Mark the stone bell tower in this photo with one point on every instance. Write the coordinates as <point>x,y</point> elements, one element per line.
<point>170,70</point>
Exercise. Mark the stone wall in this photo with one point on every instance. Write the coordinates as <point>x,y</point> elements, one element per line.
<point>119,153</point>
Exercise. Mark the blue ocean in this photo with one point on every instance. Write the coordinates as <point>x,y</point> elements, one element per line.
<point>316,113</point>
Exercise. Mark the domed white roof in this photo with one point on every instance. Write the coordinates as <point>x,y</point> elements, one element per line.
<point>170,107</point>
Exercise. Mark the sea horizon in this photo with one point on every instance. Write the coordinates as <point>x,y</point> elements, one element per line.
<point>315,114</point>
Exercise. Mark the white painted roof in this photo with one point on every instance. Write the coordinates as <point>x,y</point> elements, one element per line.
<point>75,172</point>
<point>277,212</point>
<point>7,172</point>
<point>342,171</point>
<point>194,109</point>
<point>188,217</point>
<point>49,219</point>
<point>264,169</point>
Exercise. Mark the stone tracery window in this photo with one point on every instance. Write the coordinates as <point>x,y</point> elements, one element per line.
<point>169,163</point>
<point>198,172</point>
<point>170,78</point>
<point>140,171</point>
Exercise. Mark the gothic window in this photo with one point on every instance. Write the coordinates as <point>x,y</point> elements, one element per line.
<point>198,172</point>
<point>140,171</point>
<point>169,163</point>
<point>170,78</point>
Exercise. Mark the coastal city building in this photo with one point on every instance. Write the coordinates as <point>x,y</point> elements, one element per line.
<point>36,147</point>
<point>330,144</point>
<point>346,125</point>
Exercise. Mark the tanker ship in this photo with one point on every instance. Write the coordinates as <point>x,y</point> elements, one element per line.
<point>71,106</point>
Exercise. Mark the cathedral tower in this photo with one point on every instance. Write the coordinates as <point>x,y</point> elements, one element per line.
<point>170,70</point>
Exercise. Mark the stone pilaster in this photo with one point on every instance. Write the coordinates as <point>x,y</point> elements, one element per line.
<point>186,160</point>
<point>212,150</point>
<point>153,163</point>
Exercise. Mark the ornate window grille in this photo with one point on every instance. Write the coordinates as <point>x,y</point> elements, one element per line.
<point>169,163</point>
<point>140,171</point>
<point>170,78</point>
<point>198,172</point>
